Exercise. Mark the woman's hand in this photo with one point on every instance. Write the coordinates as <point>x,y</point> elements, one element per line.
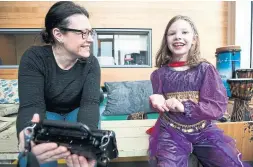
<point>44,152</point>
<point>174,105</point>
<point>158,102</point>
<point>79,161</point>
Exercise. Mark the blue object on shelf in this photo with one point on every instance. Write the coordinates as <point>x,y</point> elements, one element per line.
<point>227,62</point>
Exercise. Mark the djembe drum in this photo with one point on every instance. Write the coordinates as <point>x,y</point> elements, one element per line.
<point>244,73</point>
<point>227,62</point>
<point>241,92</point>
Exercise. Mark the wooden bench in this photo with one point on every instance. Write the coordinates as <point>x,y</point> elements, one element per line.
<point>133,141</point>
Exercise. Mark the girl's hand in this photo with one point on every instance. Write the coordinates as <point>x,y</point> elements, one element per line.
<point>174,105</point>
<point>158,102</point>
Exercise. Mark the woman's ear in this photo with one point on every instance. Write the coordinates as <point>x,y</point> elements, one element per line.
<point>57,34</point>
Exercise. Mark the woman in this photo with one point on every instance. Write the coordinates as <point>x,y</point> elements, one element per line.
<point>60,81</point>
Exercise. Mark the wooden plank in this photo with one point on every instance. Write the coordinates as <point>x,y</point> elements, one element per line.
<point>8,73</point>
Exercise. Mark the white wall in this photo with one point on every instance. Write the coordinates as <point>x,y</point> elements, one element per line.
<point>243,30</point>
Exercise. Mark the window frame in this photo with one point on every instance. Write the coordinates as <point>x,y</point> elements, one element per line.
<point>251,35</point>
<point>243,31</point>
<point>98,30</point>
<point>138,31</point>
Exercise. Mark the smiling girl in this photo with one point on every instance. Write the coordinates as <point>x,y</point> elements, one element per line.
<point>189,94</point>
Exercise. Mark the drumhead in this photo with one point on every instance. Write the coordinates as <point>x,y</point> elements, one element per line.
<point>228,48</point>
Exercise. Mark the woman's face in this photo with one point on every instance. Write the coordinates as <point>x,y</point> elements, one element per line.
<point>78,36</point>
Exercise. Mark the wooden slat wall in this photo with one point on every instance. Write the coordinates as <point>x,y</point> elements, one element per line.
<point>8,73</point>
<point>241,133</point>
<point>210,17</point>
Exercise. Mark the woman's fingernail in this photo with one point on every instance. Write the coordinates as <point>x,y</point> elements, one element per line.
<point>93,162</point>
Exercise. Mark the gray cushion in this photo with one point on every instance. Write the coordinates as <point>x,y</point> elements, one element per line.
<point>8,109</point>
<point>128,97</point>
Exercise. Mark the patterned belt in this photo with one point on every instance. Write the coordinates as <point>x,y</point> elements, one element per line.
<point>185,128</point>
<point>183,96</point>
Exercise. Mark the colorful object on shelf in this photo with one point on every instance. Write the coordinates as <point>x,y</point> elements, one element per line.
<point>227,62</point>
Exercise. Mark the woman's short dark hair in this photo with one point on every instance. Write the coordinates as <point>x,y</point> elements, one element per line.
<point>56,17</point>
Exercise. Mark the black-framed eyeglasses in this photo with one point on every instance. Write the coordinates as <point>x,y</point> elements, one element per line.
<point>85,33</point>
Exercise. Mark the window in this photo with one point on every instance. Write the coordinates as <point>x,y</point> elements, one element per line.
<point>123,47</point>
<point>112,47</point>
<point>14,42</point>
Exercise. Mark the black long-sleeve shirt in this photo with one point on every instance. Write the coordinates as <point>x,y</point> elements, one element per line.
<point>43,86</point>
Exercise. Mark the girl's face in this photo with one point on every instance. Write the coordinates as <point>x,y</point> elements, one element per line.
<point>180,38</point>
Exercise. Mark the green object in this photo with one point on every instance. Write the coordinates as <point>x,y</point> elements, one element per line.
<point>124,117</point>
<point>153,115</point>
<point>113,117</point>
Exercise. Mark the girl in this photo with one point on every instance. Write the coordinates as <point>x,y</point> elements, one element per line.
<point>189,94</point>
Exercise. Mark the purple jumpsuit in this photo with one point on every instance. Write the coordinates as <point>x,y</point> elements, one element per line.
<point>176,135</point>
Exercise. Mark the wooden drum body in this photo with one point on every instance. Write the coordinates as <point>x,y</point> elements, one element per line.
<point>241,92</point>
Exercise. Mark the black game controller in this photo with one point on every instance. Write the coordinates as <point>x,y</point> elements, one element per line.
<point>99,145</point>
